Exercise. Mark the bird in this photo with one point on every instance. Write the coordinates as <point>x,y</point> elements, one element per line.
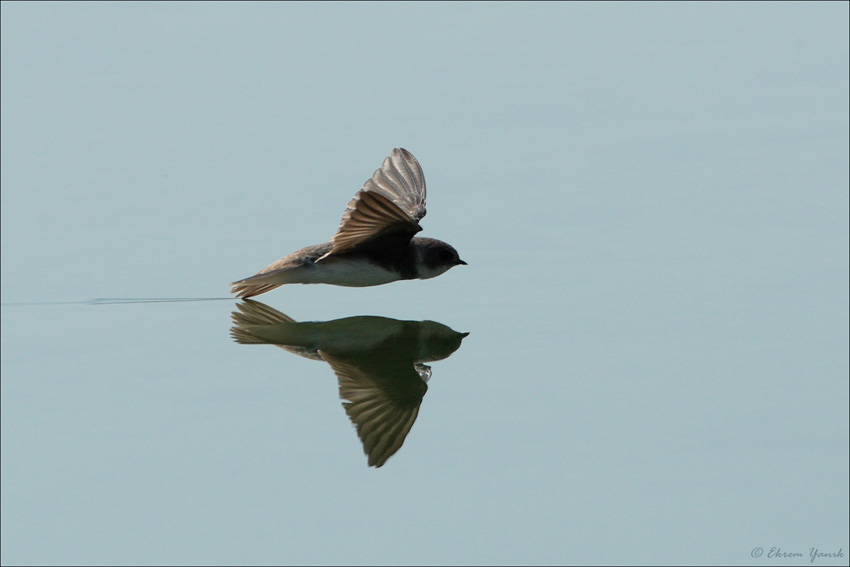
<point>375,242</point>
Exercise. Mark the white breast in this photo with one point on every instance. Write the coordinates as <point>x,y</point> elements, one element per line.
<point>344,272</point>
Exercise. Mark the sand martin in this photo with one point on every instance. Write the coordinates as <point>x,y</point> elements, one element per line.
<point>374,243</point>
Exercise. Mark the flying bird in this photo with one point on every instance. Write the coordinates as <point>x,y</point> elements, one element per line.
<point>374,243</point>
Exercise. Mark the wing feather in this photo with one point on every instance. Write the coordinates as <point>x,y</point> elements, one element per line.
<point>381,418</point>
<point>392,201</point>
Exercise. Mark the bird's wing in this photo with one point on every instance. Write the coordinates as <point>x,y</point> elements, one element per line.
<point>391,202</point>
<point>384,415</point>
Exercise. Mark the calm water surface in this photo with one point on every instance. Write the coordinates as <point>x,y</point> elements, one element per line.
<point>652,200</point>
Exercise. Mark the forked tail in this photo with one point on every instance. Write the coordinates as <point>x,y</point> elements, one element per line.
<point>255,285</point>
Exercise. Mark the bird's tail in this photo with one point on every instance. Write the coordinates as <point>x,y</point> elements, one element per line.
<point>255,285</point>
<point>252,318</point>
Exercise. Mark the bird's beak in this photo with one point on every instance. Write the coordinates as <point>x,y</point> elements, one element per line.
<point>459,261</point>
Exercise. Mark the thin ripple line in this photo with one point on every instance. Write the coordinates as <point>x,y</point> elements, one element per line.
<point>118,300</point>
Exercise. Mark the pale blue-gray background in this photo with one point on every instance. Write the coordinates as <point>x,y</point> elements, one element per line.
<point>652,200</point>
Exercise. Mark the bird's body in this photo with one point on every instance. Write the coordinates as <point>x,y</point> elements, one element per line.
<point>374,244</point>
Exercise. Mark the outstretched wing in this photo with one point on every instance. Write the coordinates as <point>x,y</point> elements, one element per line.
<point>392,202</point>
<point>382,407</point>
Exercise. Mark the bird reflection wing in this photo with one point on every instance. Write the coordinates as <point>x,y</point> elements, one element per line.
<point>383,416</point>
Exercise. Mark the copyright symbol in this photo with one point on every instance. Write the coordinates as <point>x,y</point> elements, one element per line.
<point>756,552</point>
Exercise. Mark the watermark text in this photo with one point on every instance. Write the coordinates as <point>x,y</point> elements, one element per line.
<point>812,555</point>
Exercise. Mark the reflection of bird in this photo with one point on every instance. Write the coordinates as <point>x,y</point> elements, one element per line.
<point>378,363</point>
<point>374,243</point>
